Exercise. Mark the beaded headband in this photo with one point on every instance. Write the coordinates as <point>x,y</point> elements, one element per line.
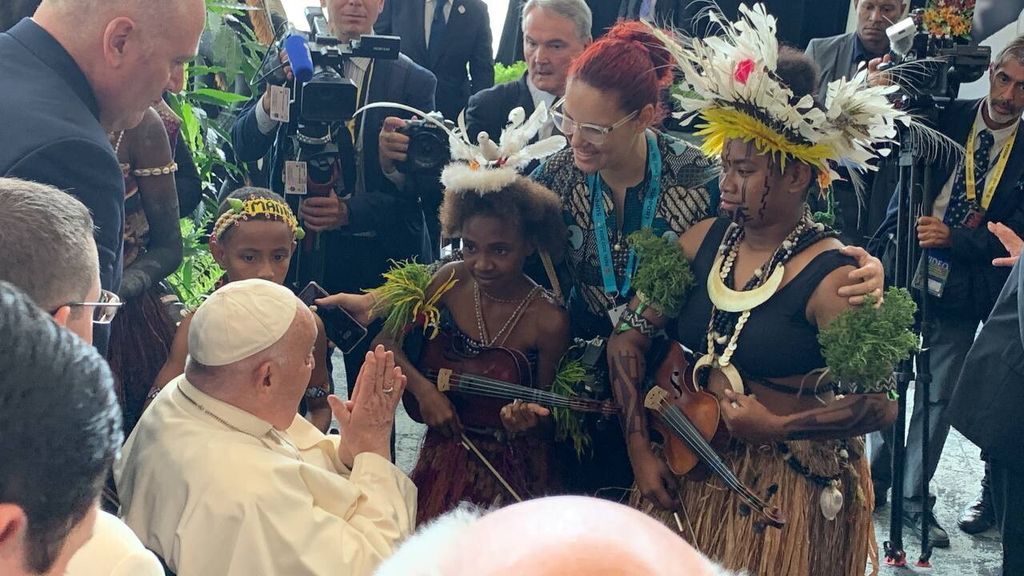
<point>255,206</point>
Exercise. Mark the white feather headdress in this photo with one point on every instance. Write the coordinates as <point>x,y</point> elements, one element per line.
<point>483,165</point>
<point>733,87</point>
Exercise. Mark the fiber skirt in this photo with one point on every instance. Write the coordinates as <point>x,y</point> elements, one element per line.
<point>448,473</point>
<point>808,544</point>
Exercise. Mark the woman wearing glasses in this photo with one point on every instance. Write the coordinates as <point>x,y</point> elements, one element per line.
<point>620,174</point>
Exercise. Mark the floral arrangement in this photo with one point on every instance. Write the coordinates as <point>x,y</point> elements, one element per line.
<point>949,18</point>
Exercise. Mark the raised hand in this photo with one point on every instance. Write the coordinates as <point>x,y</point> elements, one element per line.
<point>367,419</point>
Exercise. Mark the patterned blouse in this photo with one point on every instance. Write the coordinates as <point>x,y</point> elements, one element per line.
<point>685,200</point>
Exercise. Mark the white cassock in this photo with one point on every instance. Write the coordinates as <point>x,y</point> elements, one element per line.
<point>213,489</point>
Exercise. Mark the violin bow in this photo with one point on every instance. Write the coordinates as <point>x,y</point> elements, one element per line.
<point>472,448</point>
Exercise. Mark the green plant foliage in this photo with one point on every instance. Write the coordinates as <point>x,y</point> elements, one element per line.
<point>402,299</point>
<point>510,73</point>
<point>238,54</point>
<point>663,274</point>
<point>569,424</point>
<point>198,273</point>
<point>863,344</point>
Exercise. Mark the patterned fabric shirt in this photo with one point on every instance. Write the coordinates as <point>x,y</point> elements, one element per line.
<point>684,200</point>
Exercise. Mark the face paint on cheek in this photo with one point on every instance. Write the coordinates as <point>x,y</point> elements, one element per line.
<point>764,197</point>
<point>741,216</point>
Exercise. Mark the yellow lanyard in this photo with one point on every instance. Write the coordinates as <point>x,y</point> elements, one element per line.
<point>996,174</point>
<point>351,124</point>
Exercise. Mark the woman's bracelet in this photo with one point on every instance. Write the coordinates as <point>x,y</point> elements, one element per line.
<point>634,320</point>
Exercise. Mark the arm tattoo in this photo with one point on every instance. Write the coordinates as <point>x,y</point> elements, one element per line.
<point>626,373</point>
<point>851,416</point>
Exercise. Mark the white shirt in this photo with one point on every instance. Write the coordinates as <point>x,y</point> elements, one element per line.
<point>215,490</point>
<point>538,96</point>
<point>428,16</point>
<point>113,550</point>
<point>999,139</point>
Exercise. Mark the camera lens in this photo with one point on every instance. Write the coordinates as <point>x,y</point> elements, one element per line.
<point>427,151</point>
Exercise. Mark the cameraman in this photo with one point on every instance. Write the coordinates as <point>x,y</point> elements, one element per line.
<point>985,185</point>
<point>380,216</point>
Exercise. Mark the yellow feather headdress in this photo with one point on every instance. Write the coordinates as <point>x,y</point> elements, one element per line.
<point>732,85</point>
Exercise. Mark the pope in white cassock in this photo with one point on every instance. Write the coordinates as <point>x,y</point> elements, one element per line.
<point>221,476</point>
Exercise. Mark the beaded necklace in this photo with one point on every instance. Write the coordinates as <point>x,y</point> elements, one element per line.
<point>506,329</point>
<point>727,319</point>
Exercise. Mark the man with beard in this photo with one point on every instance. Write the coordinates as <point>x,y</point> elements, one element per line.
<point>986,186</point>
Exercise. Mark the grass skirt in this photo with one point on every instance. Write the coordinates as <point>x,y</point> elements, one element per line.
<point>809,544</point>
<point>448,473</point>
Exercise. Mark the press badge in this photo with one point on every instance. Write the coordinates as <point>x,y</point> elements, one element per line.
<point>295,177</point>
<point>973,218</point>
<point>938,274</point>
<point>280,103</point>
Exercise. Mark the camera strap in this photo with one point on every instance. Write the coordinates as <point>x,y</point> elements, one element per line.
<point>357,130</point>
<point>362,89</point>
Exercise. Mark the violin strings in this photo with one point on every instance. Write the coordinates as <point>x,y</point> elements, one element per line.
<point>682,425</point>
<point>513,391</point>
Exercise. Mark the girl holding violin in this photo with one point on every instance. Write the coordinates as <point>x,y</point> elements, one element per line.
<point>478,447</point>
<point>768,277</point>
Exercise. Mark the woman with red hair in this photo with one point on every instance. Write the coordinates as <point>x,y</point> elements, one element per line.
<point>620,174</point>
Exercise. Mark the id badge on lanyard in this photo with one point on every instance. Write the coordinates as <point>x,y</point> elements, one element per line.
<point>612,286</point>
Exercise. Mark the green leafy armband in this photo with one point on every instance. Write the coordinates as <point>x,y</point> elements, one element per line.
<point>403,301</point>
<point>862,345</point>
<point>663,277</point>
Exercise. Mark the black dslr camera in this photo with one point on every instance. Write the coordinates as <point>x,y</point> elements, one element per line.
<point>428,146</point>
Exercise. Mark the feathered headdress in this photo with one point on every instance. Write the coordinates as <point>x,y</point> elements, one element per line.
<point>732,85</point>
<point>483,165</point>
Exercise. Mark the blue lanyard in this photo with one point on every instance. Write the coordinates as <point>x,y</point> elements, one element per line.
<point>600,219</point>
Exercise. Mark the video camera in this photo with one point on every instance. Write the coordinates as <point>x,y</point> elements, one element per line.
<point>942,65</point>
<point>323,94</point>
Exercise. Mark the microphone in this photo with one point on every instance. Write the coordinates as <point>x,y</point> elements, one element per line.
<point>299,57</point>
<point>901,38</point>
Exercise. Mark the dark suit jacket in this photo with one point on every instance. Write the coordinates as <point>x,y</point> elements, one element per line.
<point>389,220</point>
<point>989,395</point>
<point>973,282</point>
<point>51,133</point>
<point>467,41</point>
<point>488,110</point>
<point>834,56</point>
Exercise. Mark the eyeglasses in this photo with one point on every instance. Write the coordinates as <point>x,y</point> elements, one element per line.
<point>590,132</point>
<point>104,310</point>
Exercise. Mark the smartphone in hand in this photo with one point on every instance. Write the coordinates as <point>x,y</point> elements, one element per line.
<point>340,327</point>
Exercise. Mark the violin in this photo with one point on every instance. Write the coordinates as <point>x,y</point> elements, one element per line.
<point>690,421</point>
<point>480,382</point>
